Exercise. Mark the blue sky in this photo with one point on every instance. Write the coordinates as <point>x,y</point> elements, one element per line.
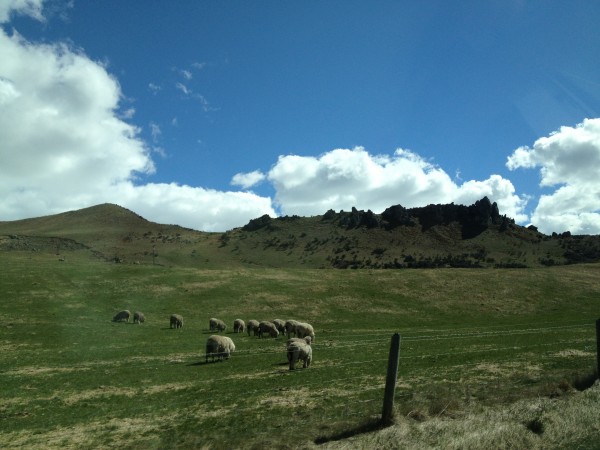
<point>208,114</point>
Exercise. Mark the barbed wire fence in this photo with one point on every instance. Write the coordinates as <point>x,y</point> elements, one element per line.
<point>412,352</point>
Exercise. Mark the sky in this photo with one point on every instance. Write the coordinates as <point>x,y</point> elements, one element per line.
<point>208,114</point>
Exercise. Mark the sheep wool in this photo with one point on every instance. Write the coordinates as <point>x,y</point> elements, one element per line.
<point>298,351</point>
<point>253,327</point>
<point>269,328</point>
<point>238,326</point>
<point>122,316</point>
<point>176,321</point>
<point>219,347</point>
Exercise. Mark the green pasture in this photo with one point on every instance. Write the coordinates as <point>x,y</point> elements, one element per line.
<point>470,338</point>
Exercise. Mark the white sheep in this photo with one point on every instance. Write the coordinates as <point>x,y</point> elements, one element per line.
<point>122,316</point>
<point>253,327</point>
<point>298,351</point>
<point>295,340</point>
<point>216,325</point>
<point>305,329</point>
<point>280,325</point>
<point>138,317</point>
<point>304,340</point>
<point>220,347</point>
<point>290,327</point>
<point>176,321</point>
<point>238,326</point>
<point>267,327</point>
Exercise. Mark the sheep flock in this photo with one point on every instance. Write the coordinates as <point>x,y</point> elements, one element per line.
<point>219,347</point>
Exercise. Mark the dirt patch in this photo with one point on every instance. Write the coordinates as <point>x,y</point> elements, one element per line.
<point>508,369</point>
<point>8,346</point>
<point>102,391</point>
<point>574,353</point>
<point>290,398</point>
<point>169,387</point>
<point>44,371</point>
<point>202,285</point>
<point>87,435</point>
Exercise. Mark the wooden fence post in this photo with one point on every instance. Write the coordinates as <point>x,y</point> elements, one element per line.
<point>390,382</point>
<point>598,346</point>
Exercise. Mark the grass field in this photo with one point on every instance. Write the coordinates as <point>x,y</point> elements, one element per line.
<point>474,342</point>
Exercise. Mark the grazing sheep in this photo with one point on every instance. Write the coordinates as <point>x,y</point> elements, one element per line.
<point>305,329</point>
<point>220,347</point>
<point>216,325</point>
<point>267,327</point>
<point>122,316</point>
<point>304,340</point>
<point>176,321</point>
<point>138,317</point>
<point>298,351</point>
<point>253,327</point>
<point>280,325</point>
<point>238,326</point>
<point>290,327</point>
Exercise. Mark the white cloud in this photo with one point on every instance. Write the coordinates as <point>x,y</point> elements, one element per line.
<point>32,8</point>
<point>497,189</point>
<point>64,146</point>
<point>199,65</point>
<point>344,178</point>
<point>569,159</point>
<point>128,113</point>
<point>154,88</point>
<point>183,88</point>
<point>186,74</point>
<point>60,125</point>
<point>247,180</point>
<point>194,207</point>
<point>155,131</point>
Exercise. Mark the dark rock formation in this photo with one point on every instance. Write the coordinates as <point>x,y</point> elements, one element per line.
<point>258,223</point>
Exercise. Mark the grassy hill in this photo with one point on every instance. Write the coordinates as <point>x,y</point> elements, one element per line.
<point>433,237</point>
<point>489,358</point>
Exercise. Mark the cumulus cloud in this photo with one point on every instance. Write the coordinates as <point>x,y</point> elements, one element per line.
<point>346,178</point>
<point>569,160</point>
<point>247,180</point>
<point>66,145</point>
<point>194,207</point>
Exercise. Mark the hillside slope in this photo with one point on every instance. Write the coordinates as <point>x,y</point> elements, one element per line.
<point>431,236</point>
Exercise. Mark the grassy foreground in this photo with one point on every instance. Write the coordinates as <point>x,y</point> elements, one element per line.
<point>478,346</point>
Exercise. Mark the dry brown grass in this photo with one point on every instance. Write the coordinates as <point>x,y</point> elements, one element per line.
<point>510,426</point>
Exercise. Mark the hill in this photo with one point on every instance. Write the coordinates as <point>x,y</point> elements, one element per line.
<point>476,236</point>
<point>490,358</point>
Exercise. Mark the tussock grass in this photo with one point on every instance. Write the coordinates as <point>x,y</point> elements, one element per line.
<point>539,423</point>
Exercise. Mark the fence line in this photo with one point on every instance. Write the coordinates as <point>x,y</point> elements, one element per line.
<point>409,331</point>
<point>377,382</point>
<point>431,355</point>
<point>344,344</point>
<point>265,393</point>
<point>442,335</point>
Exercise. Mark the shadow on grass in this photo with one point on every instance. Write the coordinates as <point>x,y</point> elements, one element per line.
<point>585,381</point>
<point>199,363</point>
<point>366,427</point>
<point>206,363</point>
